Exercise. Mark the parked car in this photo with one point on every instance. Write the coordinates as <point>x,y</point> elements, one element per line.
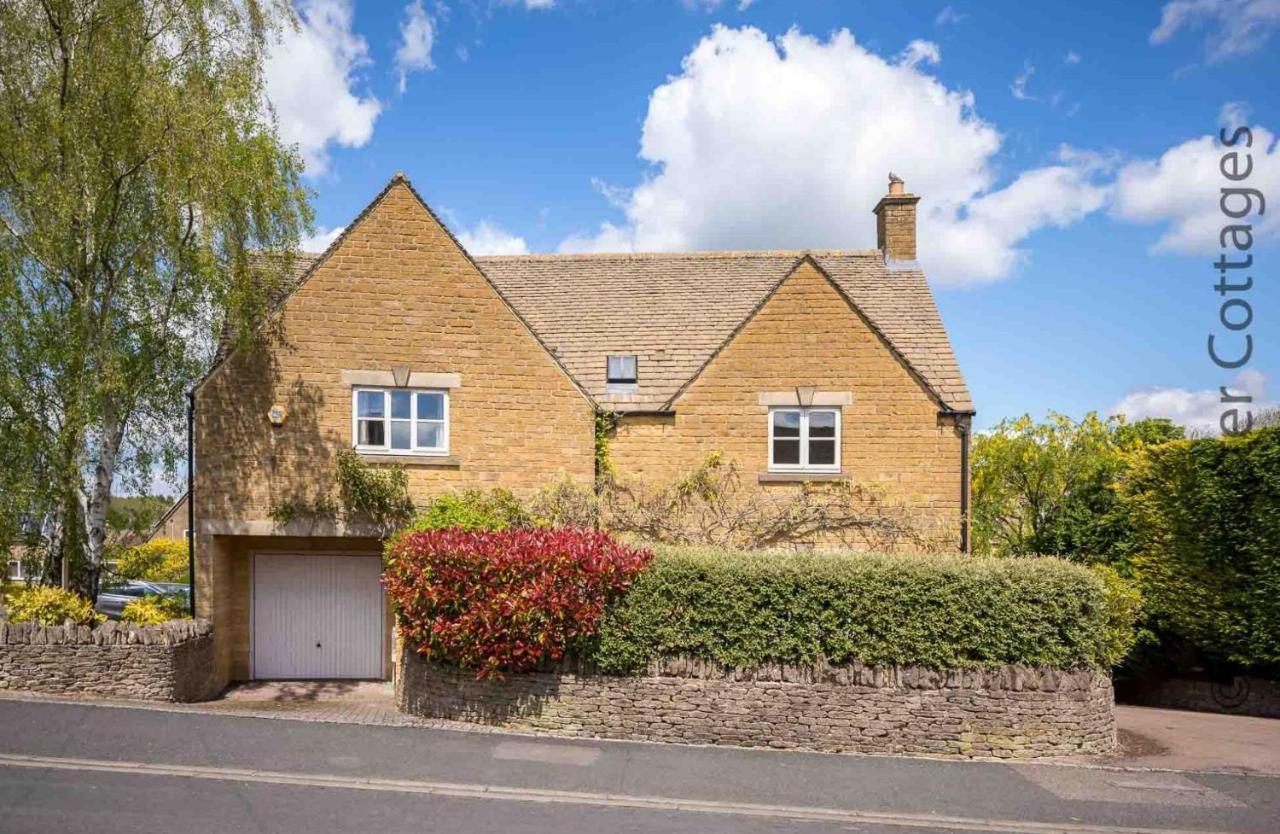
<point>113,598</point>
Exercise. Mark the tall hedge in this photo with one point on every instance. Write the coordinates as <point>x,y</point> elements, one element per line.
<point>1206,519</point>
<point>745,608</point>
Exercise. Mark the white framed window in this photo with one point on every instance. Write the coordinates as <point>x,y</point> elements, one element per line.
<point>621,370</point>
<point>402,421</point>
<point>804,439</point>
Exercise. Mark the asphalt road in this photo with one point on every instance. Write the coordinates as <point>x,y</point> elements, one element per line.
<point>71,768</point>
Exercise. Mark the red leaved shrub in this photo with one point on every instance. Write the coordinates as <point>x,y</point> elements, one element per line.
<point>504,601</point>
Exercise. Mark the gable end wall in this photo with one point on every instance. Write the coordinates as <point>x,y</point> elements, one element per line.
<point>807,334</point>
<point>396,291</point>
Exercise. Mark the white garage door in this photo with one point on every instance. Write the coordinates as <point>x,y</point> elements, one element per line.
<point>317,617</point>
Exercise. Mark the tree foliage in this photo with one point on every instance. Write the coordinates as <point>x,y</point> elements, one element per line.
<point>141,181</point>
<point>158,560</point>
<point>134,515</point>
<point>1049,487</point>
<point>155,610</point>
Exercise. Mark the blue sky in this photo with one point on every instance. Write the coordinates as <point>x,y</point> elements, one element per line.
<point>1069,192</point>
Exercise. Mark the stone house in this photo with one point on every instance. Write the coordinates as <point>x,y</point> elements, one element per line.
<point>173,524</point>
<point>489,372</point>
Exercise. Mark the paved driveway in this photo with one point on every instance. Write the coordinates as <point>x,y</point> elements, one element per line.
<point>1183,740</point>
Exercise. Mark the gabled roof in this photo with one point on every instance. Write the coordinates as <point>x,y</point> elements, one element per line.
<point>179,504</point>
<point>674,311</point>
<point>304,264</point>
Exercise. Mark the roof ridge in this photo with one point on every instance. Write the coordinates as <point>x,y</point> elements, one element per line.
<point>697,253</point>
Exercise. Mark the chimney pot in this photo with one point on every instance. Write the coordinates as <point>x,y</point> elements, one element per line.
<point>896,222</point>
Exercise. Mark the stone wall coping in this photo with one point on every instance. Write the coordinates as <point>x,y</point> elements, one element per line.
<point>1009,678</point>
<point>110,633</point>
<point>1006,678</point>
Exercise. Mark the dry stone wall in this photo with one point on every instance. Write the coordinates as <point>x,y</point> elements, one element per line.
<point>169,662</point>
<point>1011,712</point>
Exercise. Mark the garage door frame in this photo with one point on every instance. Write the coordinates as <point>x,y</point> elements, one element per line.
<point>384,641</point>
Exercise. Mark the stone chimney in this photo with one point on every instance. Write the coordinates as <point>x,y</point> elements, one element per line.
<point>896,222</point>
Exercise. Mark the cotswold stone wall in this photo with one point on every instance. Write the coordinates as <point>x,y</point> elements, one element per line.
<point>1012,712</point>
<point>170,662</point>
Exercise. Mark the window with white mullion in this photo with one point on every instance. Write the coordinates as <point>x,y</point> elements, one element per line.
<point>804,439</point>
<point>400,421</point>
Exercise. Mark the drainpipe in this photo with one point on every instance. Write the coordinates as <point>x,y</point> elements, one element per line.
<point>191,502</point>
<point>962,425</point>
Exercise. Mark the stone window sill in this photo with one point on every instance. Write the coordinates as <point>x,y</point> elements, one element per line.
<point>423,461</point>
<point>800,477</point>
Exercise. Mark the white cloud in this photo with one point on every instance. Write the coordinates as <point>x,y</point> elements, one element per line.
<point>320,240</point>
<point>1020,82</point>
<point>758,144</point>
<point>1233,114</point>
<point>1181,191</point>
<point>609,238</point>
<point>920,52</point>
<point>984,246</point>
<point>488,239</point>
<point>310,79</point>
<point>948,16</point>
<point>1198,411</point>
<point>417,37</point>
<point>1235,27</point>
<point>1072,57</point>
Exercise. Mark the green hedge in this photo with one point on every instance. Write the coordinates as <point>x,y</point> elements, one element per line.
<point>742,609</point>
<point>1206,520</point>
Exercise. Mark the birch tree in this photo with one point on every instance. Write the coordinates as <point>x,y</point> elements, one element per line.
<point>142,178</point>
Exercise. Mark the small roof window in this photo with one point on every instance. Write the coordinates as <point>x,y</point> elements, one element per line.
<point>621,370</point>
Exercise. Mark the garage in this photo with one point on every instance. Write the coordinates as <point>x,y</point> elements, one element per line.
<point>318,616</point>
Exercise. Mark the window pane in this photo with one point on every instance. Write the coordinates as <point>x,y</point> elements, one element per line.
<point>369,404</point>
<point>822,452</point>
<point>622,369</point>
<point>401,402</point>
<point>430,435</point>
<point>430,407</point>
<point>400,433</point>
<point>822,424</point>
<point>372,433</point>
<point>786,424</point>
<point>786,451</point>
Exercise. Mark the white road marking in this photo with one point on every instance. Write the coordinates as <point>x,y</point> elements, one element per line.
<point>652,803</point>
